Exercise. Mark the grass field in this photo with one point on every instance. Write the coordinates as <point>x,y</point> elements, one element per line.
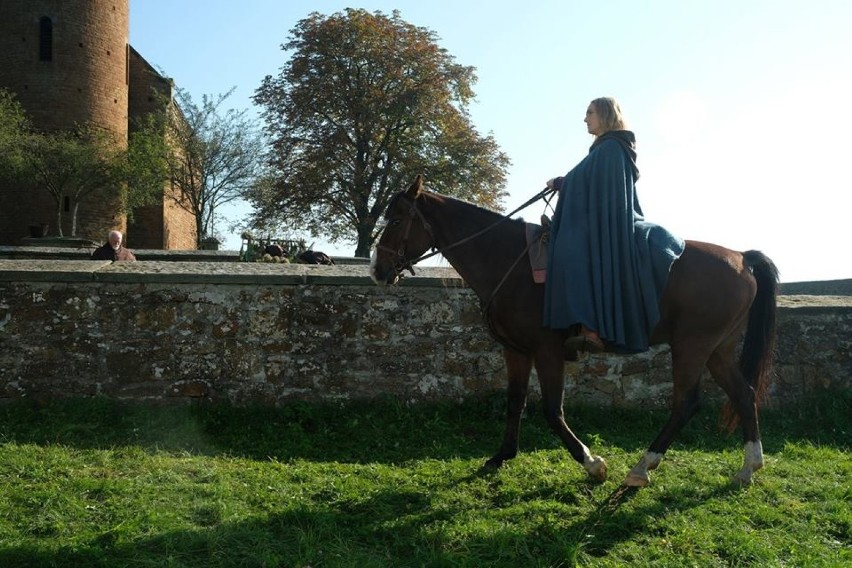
<point>97,483</point>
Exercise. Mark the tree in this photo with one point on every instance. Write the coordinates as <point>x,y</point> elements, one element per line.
<point>13,128</point>
<point>76,164</point>
<point>79,163</point>
<point>364,104</point>
<point>214,158</point>
<point>146,168</point>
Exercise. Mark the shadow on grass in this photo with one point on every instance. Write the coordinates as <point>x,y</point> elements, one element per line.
<point>386,431</point>
<point>612,522</point>
<point>392,527</point>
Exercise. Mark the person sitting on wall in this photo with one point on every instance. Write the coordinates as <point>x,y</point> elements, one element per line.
<point>112,249</point>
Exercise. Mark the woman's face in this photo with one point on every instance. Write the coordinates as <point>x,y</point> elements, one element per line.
<point>593,121</point>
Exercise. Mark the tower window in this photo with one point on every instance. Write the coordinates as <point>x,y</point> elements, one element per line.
<point>66,203</point>
<point>45,39</point>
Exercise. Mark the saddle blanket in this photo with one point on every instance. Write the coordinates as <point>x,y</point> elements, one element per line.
<point>537,237</point>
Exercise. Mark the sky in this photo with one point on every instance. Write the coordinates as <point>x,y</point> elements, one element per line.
<point>742,109</point>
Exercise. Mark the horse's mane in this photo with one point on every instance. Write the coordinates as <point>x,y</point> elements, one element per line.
<point>470,208</point>
<point>474,213</point>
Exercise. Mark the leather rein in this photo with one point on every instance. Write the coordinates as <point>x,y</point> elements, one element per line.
<point>401,263</point>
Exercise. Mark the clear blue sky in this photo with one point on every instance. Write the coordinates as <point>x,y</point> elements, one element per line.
<point>742,109</point>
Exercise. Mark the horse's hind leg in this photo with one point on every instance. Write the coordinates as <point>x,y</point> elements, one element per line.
<point>725,369</point>
<point>518,367</point>
<point>550,366</point>
<point>687,365</point>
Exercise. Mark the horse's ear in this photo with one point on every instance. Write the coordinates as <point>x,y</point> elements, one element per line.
<point>416,187</point>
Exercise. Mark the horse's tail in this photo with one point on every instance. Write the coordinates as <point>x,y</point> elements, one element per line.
<point>758,349</point>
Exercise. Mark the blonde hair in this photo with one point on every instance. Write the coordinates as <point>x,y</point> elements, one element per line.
<point>610,114</point>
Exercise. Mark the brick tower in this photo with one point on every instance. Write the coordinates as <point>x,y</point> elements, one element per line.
<point>67,63</point>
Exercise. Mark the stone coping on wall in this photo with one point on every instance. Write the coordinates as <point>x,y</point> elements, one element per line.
<point>838,287</point>
<point>202,272</point>
<point>842,287</point>
<point>259,273</point>
<point>803,302</point>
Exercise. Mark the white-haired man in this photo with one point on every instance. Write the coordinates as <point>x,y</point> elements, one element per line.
<point>113,249</point>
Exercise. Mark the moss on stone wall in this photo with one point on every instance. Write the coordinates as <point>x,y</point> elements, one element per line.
<point>264,333</point>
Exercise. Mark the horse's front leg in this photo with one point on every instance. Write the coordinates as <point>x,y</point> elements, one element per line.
<point>550,366</point>
<point>518,367</point>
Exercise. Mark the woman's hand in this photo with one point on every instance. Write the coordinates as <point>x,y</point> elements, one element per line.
<point>554,183</point>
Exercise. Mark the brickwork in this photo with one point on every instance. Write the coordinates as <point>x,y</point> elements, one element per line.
<point>146,230</point>
<point>92,76</point>
<point>146,84</point>
<point>162,225</point>
<point>178,224</point>
<point>84,82</point>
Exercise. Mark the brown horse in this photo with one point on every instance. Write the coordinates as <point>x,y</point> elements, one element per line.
<point>712,297</point>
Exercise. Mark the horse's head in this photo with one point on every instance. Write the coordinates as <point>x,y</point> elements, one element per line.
<point>406,236</point>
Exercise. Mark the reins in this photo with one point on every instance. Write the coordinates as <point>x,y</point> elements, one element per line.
<point>527,248</point>
<point>487,305</point>
<point>408,265</point>
<point>403,264</point>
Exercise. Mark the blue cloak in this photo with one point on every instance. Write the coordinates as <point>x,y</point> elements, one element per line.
<point>608,267</point>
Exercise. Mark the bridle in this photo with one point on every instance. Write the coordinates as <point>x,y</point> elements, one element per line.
<point>400,262</point>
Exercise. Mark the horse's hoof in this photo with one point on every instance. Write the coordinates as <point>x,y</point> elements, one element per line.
<point>742,478</point>
<point>637,480</point>
<point>493,464</point>
<point>596,468</point>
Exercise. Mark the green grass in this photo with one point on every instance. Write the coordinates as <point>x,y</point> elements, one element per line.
<point>99,483</point>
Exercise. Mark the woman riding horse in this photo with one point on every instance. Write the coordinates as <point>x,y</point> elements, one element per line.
<point>714,300</point>
<point>608,266</point>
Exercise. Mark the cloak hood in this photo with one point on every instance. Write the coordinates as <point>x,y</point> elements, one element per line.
<point>626,139</point>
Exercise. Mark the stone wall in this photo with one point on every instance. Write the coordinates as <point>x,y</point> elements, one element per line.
<point>270,333</point>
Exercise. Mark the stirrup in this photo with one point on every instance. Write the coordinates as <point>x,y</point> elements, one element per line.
<point>584,343</point>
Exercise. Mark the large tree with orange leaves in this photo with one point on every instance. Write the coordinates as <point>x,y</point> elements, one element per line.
<point>365,102</point>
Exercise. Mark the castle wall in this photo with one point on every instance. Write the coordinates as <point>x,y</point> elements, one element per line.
<point>163,225</point>
<point>179,229</point>
<point>85,81</point>
<point>146,229</point>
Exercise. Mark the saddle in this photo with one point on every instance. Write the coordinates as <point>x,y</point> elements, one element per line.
<point>538,237</point>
